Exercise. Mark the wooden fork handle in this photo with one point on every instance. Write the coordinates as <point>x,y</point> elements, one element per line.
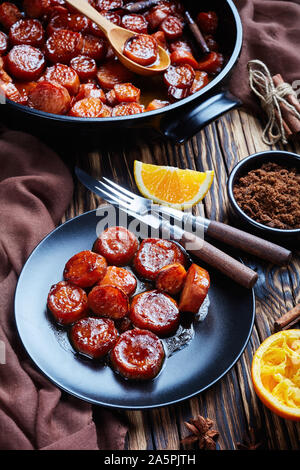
<point>249,243</point>
<point>216,258</point>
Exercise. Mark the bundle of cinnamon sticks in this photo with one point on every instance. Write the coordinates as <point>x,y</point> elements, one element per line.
<point>291,123</point>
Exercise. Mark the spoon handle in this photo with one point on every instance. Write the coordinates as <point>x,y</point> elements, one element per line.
<point>90,12</point>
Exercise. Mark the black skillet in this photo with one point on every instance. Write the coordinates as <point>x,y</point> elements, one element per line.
<point>178,121</point>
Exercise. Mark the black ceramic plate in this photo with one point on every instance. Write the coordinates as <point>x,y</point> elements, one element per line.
<point>218,342</point>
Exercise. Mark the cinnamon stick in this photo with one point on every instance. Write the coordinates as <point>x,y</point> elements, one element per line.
<point>288,132</point>
<point>288,319</point>
<point>196,32</point>
<point>137,7</point>
<point>290,120</point>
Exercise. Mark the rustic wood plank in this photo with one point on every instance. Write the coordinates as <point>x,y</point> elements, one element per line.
<point>166,436</point>
<point>137,439</point>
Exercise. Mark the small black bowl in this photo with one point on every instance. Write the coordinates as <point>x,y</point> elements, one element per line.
<point>286,159</point>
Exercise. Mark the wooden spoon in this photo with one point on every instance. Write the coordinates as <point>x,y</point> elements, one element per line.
<point>117,37</point>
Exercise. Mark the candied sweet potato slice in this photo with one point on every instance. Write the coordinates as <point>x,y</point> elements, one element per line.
<point>195,289</point>
<point>50,97</point>
<point>170,278</point>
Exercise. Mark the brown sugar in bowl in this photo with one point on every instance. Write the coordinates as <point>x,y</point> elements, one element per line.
<point>253,217</point>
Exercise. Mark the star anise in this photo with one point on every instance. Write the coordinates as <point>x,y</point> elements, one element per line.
<point>249,442</point>
<point>202,433</point>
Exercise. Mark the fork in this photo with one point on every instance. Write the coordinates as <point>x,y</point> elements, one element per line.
<point>139,208</point>
<point>222,232</point>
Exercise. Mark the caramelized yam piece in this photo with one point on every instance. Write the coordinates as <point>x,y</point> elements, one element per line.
<point>67,303</point>
<point>94,47</point>
<point>142,49</point>
<point>172,26</point>
<point>108,4</point>
<point>79,23</point>
<point>127,109</point>
<point>87,107</point>
<point>181,76</point>
<point>160,38</point>
<point>156,104</point>
<point>136,23</point>
<point>36,8</point>
<point>63,45</point>
<point>85,269</point>
<point>208,22</point>
<point>64,75</point>
<point>4,77</point>
<point>211,42</point>
<point>108,301</point>
<point>156,312</point>
<point>177,94</point>
<point>126,92</point>
<point>170,279</point>
<point>182,57</point>
<point>156,16</point>
<point>94,30</point>
<point>25,62</point>
<point>50,97</point>
<point>110,54</point>
<point>195,289</point>
<point>211,63</point>
<point>111,73</point>
<point>180,44</point>
<point>74,22</point>
<point>54,11</point>
<point>117,244</point>
<point>124,324</point>
<point>93,337</point>
<point>90,90</point>
<point>84,66</point>
<point>12,93</point>
<point>27,31</point>
<point>3,43</point>
<point>138,355</point>
<point>200,81</point>
<point>9,14</point>
<point>154,254</point>
<point>25,88</point>
<point>106,111</point>
<point>112,16</point>
<point>57,22</point>
<point>119,277</point>
<point>111,98</point>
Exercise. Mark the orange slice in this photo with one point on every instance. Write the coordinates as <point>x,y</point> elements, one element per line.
<point>172,186</point>
<point>276,373</point>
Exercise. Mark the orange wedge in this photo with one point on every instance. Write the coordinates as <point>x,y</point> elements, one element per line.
<point>276,373</point>
<point>167,185</point>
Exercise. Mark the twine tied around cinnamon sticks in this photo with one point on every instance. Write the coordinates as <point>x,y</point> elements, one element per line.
<point>279,101</point>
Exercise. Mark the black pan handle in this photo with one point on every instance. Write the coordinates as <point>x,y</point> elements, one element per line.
<point>183,126</point>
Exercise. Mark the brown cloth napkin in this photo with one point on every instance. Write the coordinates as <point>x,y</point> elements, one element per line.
<point>272,35</point>
<point>35,190</point>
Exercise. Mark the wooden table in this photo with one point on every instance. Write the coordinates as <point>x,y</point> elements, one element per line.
<point>231,403</point>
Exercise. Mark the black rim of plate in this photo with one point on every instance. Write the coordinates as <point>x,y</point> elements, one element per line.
<point>120,405</point>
